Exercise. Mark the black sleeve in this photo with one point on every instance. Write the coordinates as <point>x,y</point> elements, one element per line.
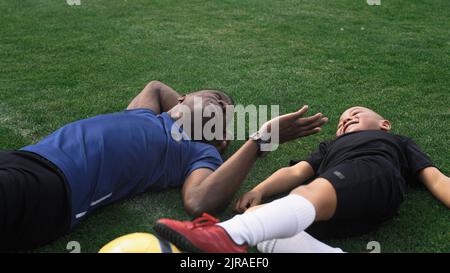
<point>416,159</point>
<point>316,157</point>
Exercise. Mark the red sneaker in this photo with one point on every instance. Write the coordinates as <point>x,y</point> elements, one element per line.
<point>200,235</point>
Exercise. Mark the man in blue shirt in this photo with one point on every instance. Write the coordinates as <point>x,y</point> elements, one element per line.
<point>49,187</point>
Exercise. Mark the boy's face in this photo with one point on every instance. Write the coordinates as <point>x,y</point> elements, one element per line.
<point>360,118</point>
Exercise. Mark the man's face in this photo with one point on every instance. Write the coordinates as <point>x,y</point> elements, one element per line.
<point>200,100</point>
<point>208,97</point>
<point>360,118</point>
<point>201,107</point>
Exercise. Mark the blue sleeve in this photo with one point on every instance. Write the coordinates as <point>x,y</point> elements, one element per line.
<point>205,156</point>
<point>140,111</point>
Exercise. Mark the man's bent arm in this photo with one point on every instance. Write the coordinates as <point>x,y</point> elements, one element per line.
<point>156,96</point>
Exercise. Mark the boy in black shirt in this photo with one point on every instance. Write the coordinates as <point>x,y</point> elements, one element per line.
<point>359,181</point>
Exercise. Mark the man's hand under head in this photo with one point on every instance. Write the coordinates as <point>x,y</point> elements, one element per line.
<point>157,97</point>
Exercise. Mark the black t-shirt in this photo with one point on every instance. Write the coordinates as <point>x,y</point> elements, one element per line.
<point>401,152</point>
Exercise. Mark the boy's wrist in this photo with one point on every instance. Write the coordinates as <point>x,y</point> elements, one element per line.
<point>259,191</point>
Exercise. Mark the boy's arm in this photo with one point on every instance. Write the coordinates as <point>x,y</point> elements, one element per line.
<point>437,183</point>
<point>283,180</point>
<point>156,96</point>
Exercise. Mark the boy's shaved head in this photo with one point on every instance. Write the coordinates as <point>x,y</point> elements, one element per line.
<point>359,118</point>
<point>362,108</point>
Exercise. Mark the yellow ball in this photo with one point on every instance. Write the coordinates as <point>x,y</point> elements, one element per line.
<point>139,243</point>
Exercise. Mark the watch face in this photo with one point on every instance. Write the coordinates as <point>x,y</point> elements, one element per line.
<point>254,136</point>
<point>259,138</point>
<point>264,146</point>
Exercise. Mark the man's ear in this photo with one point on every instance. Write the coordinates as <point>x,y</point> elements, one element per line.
<point>385,125</point>
<point>221,145</point>
<point>222,104</point>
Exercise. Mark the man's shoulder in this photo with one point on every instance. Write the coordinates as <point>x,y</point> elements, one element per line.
<point>138,111</point>
<point>127,113</point>
<point>203,148</point>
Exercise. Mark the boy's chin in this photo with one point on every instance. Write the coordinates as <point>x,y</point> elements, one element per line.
<point>350,131</point>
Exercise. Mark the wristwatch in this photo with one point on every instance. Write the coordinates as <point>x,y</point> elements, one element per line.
<point>257,138</point>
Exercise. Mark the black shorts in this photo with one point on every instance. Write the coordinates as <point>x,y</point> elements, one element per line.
<point>369,192</point>
<point>34,203</point>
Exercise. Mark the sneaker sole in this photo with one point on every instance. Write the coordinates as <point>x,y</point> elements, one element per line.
<point>176,238</point>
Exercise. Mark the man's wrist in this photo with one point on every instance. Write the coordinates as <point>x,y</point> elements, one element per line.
<point>259,140</point>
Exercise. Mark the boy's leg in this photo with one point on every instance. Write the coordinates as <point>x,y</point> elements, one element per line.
<point>286,216</point>
<point>299,243</point>
<point>365,191</point>
<point>281,218</point>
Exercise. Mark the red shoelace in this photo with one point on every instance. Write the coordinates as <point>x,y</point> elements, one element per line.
<point>205,220</point>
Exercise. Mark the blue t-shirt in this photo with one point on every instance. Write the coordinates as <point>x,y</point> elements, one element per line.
<point>113,156</point>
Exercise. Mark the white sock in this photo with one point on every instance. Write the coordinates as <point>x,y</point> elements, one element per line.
<point>300,243</point>
<point>281,218</point>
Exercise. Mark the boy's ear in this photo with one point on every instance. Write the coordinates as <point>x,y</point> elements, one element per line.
<point>385,125</point>
<point>181,99</point>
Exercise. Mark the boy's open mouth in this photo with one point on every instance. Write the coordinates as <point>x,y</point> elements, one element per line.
<point>348,125</point>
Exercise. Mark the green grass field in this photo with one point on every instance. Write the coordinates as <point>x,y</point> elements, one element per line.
<point>61,63</point>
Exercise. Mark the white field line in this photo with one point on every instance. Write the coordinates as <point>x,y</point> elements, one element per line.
<point>13,120</point>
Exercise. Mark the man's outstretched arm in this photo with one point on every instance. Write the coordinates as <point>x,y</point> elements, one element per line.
<point>208,191</point>
<point>156,96</point>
